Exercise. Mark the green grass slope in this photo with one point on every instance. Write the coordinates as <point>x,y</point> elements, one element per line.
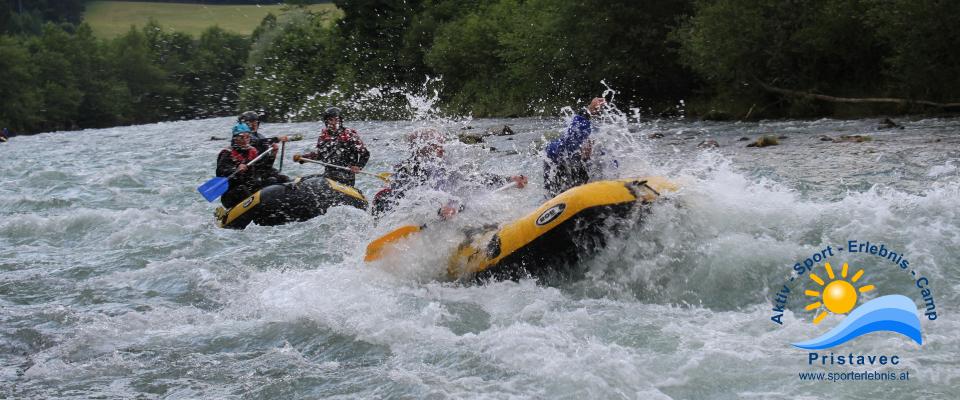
<point>113,18</point>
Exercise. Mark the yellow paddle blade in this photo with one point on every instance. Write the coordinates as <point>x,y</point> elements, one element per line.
<point>375,248</point>
<point>384,176</point>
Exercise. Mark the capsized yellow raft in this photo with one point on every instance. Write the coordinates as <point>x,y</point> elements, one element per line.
<point>562,230</point>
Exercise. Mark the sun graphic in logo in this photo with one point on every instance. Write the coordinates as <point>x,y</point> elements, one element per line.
<point>839,296</point>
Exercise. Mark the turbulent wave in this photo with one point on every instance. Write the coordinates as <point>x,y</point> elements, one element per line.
<point>893,313</point>
<point>115,283</point>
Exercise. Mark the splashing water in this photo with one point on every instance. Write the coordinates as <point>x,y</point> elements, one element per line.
<point>114,281</point>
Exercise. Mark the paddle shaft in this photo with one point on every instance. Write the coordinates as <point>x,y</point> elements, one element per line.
<point>219,185</point>
<point>283,146</point>
<point>505,187</point>
<point>269,150</point>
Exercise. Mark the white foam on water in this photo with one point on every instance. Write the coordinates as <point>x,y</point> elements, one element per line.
<point>155,298</point>
<point>944,169</point>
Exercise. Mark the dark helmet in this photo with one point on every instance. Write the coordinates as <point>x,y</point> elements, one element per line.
<point>249,116</point>
<point>332,112</point>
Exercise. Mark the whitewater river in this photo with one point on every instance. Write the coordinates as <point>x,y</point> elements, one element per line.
<point>115,282</point>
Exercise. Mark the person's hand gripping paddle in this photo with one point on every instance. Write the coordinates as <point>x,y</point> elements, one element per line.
<point>216,187</point>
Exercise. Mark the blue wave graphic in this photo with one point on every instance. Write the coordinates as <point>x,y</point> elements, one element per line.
<point>894,313</point>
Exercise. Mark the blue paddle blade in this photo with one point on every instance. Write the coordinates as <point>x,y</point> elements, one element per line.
<point>214,188</point>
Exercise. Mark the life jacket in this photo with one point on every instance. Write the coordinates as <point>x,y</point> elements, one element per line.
<point>343,135</point>
<point>243,157</point>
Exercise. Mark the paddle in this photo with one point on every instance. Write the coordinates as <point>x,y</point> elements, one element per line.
<point>283,146</point>
<point>376,247</point>
<point>384,176</point>
<point>217,186</point>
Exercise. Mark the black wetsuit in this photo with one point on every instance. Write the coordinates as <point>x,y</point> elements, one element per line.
<point>268,173</point>
<point>343,148</point>
<point>241,185</point>
<point>246,183</point>
<point>262,143</point>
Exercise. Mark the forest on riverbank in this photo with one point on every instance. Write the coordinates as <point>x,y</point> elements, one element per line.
<point>720,59</point>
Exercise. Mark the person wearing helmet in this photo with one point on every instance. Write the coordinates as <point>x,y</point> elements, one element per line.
<point>249,122</point>
<point>426,167</point>
<point>235,159</point>
<point>568,157</point>
<point>341,146</point>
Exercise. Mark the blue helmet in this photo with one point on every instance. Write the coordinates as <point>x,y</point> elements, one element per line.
<point>240,128</point>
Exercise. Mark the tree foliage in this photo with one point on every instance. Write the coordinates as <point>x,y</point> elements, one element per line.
<point>923,40</point>
<point>65,78</point>
<point>290,64</point>
<point>28,16</point>
<point>510,57</point>
<point>854,48</point>
<point>21,100</point>
<point>495,58</point>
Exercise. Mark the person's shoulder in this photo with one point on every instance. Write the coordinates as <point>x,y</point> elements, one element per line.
<point>580,119</point>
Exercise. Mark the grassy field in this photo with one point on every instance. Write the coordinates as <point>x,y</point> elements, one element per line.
<point>113,18</point>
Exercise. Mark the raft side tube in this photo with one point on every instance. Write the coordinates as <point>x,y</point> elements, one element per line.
<point>240,215</point>
<point>300,200</point>
<point>555,232</point>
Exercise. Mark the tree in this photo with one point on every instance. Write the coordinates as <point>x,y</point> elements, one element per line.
<point>149,91</point>
<point>290,67</point>
<point>21,100</point>
<point>213,73</point>
<point>517,58</point>
<point>102,94</point>
<point>736,44</point>
<point>465,54</point>
<point>372,34</point>
<point>56,78</point>
<point>923,61</point>
<point>27,17</point>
